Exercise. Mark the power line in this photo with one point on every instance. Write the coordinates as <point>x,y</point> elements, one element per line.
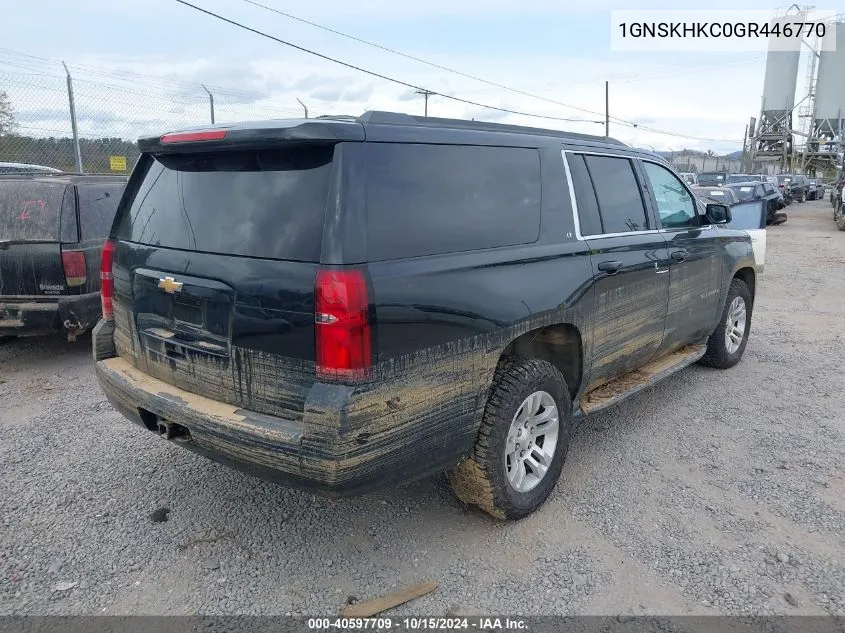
<point>420,60</point>
<point>376,74</point>
<point>696,65</point>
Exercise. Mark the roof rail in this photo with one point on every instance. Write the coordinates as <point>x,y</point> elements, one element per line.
<point>398,118</point>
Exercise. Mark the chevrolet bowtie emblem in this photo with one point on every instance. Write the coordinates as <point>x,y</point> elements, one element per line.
<point>170,285</point>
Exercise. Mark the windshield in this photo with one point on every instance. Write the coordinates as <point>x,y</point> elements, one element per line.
<point>741,178</point>
<point>30,210</point>
<point>743,193</point>
<point>722,196</point>
<point>264,203</point>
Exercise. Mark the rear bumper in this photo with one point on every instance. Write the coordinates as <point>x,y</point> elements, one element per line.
<point>326,451</point>
<point>26,316</point>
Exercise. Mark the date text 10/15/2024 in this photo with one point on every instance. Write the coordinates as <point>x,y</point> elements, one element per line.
<point>418,624</point>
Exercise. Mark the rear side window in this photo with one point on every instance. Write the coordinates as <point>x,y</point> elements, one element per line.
<point>433,199</point>
<point>617,193</point>
<point>97,206</point>
<point>259,203</point>
<point>30,210</point>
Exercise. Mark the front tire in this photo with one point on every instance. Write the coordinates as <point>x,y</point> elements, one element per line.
<point>727,342</point>
<point>522,442</point>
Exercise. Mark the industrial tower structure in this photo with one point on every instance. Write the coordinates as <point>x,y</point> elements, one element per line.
<point>812,141</point>
<point>773,139</point>
<point>825,143</point>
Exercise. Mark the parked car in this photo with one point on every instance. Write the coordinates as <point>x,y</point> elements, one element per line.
<point>815,191</point>
<point>797,185</point>
<point>764,191</point>
<point>25,168</point>
<point>712,178</point>
<point>716,194</point>
<point>349,304</point>
<point>52,229</point>
<point>689,177</point>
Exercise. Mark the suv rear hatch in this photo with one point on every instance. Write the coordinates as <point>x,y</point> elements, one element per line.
<point>30,237</point>
<point>215,251</point>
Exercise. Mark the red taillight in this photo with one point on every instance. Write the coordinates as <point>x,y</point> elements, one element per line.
<point>107,279</point>
<point>76,271</point>
<point>189,137</point>
<point>342,323</point>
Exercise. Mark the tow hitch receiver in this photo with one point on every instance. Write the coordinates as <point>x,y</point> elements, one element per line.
<point>171,431</point>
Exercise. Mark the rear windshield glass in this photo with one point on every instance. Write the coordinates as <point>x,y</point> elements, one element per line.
<point>747,216</point>
<point>260,203</point>
<point>30,210</point>
<point>705,177</point>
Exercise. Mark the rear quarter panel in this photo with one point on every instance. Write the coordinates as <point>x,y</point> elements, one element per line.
<point>443,321</point>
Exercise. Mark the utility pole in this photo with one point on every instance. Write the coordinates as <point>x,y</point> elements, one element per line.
<point>607,109</point>
<point>76,153</point>
<point>304,107</point>
<point>426,94</point>
<point>742,156</point>
<point>210,101</point>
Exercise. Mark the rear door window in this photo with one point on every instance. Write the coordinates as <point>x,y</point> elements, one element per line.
<point>259,203</point>
<point>30,210</point>
<point>589,219</point>
<point>617,193</point>
<point>434,199</point>
<point>97,206</point>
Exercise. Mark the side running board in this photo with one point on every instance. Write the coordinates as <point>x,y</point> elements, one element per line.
<point>635,381</point>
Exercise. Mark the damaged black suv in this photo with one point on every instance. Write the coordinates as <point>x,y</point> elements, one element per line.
<point>52,229</point>
<point>347,303</point>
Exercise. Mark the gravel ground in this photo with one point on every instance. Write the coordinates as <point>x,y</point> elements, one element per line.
<point>714,492</point>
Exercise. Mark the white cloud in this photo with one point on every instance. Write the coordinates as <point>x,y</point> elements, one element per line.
<point>703,96</point>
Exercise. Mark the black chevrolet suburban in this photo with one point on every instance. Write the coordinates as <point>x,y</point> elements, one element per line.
<point>52,228</point>
<point>347,303</point>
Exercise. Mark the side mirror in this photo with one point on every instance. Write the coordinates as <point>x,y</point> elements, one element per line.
<point>718,213</point>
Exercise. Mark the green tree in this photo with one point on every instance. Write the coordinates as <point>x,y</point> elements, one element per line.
<point>7,115</point>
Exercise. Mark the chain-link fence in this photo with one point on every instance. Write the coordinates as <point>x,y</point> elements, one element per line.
<point>37,118</point>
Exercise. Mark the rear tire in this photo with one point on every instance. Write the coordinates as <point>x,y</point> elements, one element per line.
<point>727,342</point>
<point>523,392</point>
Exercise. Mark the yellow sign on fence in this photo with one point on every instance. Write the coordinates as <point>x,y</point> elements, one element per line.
<point>117,163</point>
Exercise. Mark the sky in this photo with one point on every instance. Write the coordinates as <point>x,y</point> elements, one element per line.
<point>138,67</point>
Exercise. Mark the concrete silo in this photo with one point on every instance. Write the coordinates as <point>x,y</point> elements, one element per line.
<point>774,135</point>
<point>827,136</point>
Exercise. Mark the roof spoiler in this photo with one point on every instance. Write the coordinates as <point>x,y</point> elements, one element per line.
<point>256,135</point>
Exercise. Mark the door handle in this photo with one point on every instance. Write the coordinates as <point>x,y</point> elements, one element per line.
<point>678,256</point>
<point>610,267</point>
